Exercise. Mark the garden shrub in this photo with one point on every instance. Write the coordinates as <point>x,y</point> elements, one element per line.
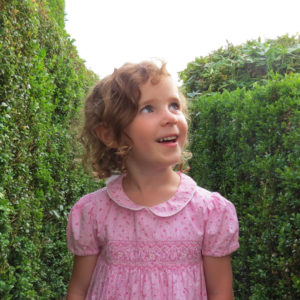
<point>42,82</point>
<point>245,144</point>
<point>241,66</point>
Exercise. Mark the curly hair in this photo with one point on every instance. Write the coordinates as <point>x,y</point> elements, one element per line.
<point>113,103</point>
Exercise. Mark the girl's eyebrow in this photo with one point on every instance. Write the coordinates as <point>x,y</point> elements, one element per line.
<point>151,100</point>
<point>147,101</point>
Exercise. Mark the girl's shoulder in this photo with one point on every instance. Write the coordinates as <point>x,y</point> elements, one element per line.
<point>96,200</point>
<point>87,212</point>
<point>209,200</point>
<point>218,217</point>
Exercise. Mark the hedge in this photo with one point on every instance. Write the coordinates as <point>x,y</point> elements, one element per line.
<point>245,144</point>
<point>42,82</point>
<point>241,66</point>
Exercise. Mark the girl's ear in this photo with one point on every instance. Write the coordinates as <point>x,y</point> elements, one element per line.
<point>106,136</point>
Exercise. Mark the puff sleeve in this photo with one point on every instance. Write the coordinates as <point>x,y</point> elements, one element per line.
<point>221,227</point>
<point>82,228</point>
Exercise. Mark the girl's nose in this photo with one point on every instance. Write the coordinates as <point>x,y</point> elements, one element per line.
<point>168,117</point>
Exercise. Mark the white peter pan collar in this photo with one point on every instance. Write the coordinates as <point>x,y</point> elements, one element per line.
<point>168,208</point>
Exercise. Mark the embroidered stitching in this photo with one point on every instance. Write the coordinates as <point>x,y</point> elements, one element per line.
<point>152,253</point>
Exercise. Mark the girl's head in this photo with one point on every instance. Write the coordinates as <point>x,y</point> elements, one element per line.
<point>110,108</point>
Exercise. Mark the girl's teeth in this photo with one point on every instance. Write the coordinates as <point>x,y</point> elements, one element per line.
<point>171,138</point>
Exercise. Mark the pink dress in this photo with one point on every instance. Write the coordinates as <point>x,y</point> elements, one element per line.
<point>151,252</point>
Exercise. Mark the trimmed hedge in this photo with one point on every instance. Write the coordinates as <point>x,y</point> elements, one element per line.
<point>245,144</point>
<point>42,82</point>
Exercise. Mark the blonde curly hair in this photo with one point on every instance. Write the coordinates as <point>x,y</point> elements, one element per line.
<point>113,103</point>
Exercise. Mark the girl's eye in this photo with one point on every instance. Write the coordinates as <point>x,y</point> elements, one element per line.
<point>147,109</point>
<point>175,106</point>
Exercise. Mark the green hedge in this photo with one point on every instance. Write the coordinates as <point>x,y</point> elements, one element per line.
<point>42,82</point>
<point>57,11</point>
<point>245,144</point>
<point>241,66</point>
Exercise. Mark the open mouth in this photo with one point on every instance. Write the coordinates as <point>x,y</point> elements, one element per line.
<point>169,139</point>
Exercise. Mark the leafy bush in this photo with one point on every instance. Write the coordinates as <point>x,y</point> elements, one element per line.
<point>42,82</point>
<point>57,11</point>
<point>241,66</point>
<point>245,144</point>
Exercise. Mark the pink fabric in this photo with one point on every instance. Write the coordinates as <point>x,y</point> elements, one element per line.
<point>151,253</point>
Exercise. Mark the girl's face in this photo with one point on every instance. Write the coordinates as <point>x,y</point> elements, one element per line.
<point>159,130</point>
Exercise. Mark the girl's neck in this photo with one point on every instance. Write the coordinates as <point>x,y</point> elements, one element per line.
<point>152,187</point>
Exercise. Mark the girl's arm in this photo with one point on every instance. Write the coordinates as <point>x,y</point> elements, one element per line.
<point>218,277</point>
<point>81,276</point>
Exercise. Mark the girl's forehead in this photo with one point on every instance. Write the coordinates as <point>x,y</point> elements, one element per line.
<point>163,86</point>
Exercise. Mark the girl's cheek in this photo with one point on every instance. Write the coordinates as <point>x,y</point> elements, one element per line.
<point>184,120</point>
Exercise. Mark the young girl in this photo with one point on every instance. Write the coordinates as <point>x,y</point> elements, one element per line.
<point>151,233</point>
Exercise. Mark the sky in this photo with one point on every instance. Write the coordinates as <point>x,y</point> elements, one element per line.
<point>108,33</point>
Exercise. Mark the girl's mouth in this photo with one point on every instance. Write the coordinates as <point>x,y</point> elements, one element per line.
<point>168,139</point>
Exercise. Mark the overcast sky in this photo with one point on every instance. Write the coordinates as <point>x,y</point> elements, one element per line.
<point>109,33</point>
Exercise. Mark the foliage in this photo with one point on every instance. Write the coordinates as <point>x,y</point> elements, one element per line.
<point>245,144</point>
<point>57,11</point>
<point>241,66</point>
<point>42,82</point>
